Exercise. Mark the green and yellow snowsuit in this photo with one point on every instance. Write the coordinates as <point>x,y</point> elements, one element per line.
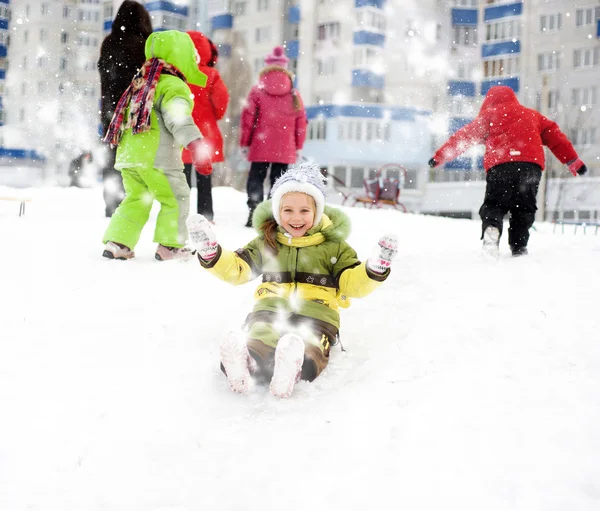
<point>150,162</point>
<point>302,287</point>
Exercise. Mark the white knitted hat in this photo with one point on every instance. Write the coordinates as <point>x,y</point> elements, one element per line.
<point>304,177</point>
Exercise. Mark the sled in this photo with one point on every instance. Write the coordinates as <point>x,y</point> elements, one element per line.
<point>383,191</point>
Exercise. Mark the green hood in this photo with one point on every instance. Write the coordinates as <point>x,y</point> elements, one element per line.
<point>337,231</point>
<point>177,49</point>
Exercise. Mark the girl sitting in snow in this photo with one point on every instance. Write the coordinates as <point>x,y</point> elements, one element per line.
<point>308,271</point>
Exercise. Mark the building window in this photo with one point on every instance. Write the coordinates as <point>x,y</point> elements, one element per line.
<point>370,19</point>
<point>43,35</point>
<point>584,96</point>
<point>326,67</point>
<point>45,8</point>
<point>584,136</point>
<point>263,5</point>
<point>365,56</point>
<point>63,64</point>
<point>503,30</point>
<point>64,38</point>
<point>66,14</point>
<point>586,57</point>
<point>239,8</point>
<point>25,62</point>
<point>506,66</point>
<point>465,3</point>
<point>587,16</point>
<point>464,36</point>
<point>550,22</point>
<point>553,99</point>
<point>263,34</point>
<point>328,31</point>
<point>548,61</point>
<point>317,129</point>
<point>25,35</point>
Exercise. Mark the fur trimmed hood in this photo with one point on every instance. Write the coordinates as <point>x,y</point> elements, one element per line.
<point>334,226</point>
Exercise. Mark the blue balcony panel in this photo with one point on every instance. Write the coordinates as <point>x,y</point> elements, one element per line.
<point>513,83</point>
<point>107,25</point>
<point>458,88</point>
<point>372,38</point>
<point>294,14</point>
<point>222,21</point>
<point>4,2</point>
<point>171,7</point>
<point>292,49</point>
<point>502,11</point>
<point>464,163</point>
<point>394,113</point>
<point>503,48</point>
<point>369,3</point>
<point>3,24</point>
<point>365,78</point>
<point>3,51</point>
<point>2,74</point>
<point>455,123</point>
<point>464,17</point>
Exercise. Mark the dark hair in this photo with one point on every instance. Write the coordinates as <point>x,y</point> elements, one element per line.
<point>132,17</point>
<point>214,54</point>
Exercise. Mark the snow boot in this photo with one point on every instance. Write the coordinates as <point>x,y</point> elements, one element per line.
<point>237,362</point>
<point>491,241</point>
<point>518,251</point>
<point>167,253</point>
<point>113,250</point>
<point>289,356</point>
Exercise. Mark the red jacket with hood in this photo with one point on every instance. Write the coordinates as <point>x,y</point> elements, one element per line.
<point>510,132</point>
<point>210,102</point>
<point>271,125</point>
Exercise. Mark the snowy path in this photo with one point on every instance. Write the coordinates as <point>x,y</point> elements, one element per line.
<point>465,385</point>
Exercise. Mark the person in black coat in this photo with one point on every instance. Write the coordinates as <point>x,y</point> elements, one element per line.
<point>121,55</point>
<point>76,168</point>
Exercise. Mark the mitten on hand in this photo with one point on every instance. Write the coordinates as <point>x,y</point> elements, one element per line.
<point>432,162</point>
<point>577,167</point>
<point>383,255</point>
<point>202,236</point>
<point>201,157</point>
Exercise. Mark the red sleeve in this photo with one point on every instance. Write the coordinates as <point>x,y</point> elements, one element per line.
<point>301,123</point>
<point>556,140</point>
<point>465,138</point>
<point>248,118</point>
<point>219,97</point>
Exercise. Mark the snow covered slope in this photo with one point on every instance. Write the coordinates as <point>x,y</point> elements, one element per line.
<point>465,385</point>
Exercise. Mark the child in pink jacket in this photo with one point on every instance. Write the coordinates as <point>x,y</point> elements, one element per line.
<point>272,126</point>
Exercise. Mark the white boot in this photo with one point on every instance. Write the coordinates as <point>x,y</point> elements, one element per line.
<point>236,361</point>
<point>491,240</point>
<point>289,356</point>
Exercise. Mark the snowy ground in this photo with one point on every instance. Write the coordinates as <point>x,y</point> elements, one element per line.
<point>465,385</point>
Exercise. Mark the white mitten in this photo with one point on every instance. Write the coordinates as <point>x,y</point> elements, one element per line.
<point>202,236</point>
<point>382,257</point>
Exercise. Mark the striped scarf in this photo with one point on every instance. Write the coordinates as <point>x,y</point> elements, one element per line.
<point>139,97</point>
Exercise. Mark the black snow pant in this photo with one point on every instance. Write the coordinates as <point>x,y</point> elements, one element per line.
<point>204,187</point>
<point>511,188</point>
<point>112,182</point>
<point>256,179</point>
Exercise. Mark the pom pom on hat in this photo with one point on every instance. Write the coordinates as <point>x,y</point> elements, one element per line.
<point>277,58</point>
<point>305,178</point>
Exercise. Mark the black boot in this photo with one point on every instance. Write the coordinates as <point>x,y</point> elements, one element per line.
<point>518,251</point>
<point>250,215</point>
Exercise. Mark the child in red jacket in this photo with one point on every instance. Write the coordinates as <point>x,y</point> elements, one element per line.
<point>210,104</point>
<point>514,137</point>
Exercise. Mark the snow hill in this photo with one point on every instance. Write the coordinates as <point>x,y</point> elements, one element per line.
<point>464,385</point>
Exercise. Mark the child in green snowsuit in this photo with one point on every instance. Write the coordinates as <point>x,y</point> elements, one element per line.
<point>152,121</point>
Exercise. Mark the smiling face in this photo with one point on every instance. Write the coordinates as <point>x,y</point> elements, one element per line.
<point>297,212</point>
